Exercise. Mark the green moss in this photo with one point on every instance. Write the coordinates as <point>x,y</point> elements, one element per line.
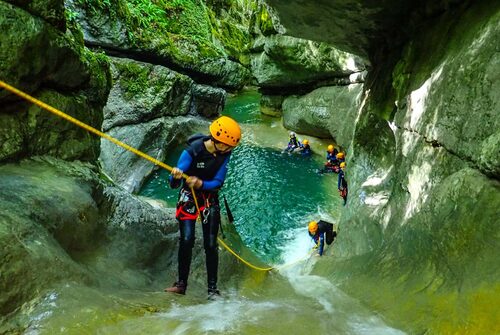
<point>232,30</point>
<point>235,41</point>
<point>182,30</point>
<point>73,26</point>
<point>133,78</point>
<point>179,29</point>
<point>266,25</point>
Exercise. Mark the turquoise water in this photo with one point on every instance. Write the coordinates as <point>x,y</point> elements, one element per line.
<point>270,193</point>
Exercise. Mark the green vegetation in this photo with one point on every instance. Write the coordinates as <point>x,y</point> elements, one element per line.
<point>73,26</point>
<point>184,30</point>
<point>266,25</point>
<point>133,78</point>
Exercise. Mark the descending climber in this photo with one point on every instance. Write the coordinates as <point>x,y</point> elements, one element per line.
<point>318,230</point>
<point>205,161</point>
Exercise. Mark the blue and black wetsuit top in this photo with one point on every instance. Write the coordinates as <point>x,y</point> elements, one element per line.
<point>319,237</point>
<point>195,160</point>
<point>332,156</point>
<point>306,150</point>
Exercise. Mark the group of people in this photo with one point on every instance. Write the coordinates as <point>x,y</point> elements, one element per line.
<point>294,144</point>
<point>335,161</point>
<point>205,162</point>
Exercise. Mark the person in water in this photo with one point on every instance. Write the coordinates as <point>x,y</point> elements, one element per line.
<point>305,149</point>
<point>293,143</point>
<point>320,231</point>
<point>205,161</point>
<point>332,163</point>
<point>342,183</point>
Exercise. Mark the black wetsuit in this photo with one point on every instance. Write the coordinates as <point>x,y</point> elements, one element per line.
<point>324,229</point>
<point>342,186</point>
<point>212,170</point>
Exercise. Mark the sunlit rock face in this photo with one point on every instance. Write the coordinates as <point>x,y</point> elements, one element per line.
<point>421,220</point>
<point>284,61</point>
<point>308,82</point>
<point>328,112</point>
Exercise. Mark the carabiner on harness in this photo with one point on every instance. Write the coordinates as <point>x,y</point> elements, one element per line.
<point>205,214</point>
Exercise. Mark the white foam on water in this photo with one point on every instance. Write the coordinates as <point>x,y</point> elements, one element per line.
<point>222,315</point>
<point>348,312</point>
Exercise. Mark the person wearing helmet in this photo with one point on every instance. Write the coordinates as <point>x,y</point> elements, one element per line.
<point>331,155</point>
<point>342,183</point>
<point>293,143</point>
<point>332,164</point>
<point>205,161</point>
<point>340,157</point>
<point>320,231</point>
<point>305,149</point>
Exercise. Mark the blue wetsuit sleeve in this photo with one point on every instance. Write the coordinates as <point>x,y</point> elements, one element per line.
<point>183,164</point>
<point>219,177</point>
<point>321,244</point>
<point>339,181</point>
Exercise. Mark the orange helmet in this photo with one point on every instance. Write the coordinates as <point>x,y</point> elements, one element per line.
<point>313,227</point>
<point>305,142</point>
<point>226,130</point>
<point>330,148</point>
<point>340,155</point>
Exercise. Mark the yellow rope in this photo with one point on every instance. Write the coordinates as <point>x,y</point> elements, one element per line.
<point>241,259</point>
<point>85,126</point>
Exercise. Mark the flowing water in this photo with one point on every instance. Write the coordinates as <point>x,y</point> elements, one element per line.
<point>272,196</point>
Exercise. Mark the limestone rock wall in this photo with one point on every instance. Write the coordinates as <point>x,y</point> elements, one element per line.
<point>185,36</point>
<point>420,229</point>
<point>55,67</point>
<point>59,222</point>
<point>327,112</point>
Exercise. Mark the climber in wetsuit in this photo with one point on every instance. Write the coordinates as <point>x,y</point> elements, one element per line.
<point>332,163</point>
<point>342,183</point>
<point>319,231</point>
<point>205,161</point>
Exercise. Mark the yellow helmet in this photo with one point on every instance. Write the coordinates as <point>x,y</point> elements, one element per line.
<point>305,142</point>
<point>342,165</point>
<point>330,148</point>
<point>340,155</point>
<point>226,130</point>
<point>313,227</point>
